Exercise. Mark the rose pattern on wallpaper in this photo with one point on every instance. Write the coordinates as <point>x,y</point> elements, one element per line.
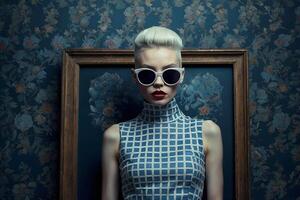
<point>203,93</point>
<point>33,34</point>
<point>110,97</point>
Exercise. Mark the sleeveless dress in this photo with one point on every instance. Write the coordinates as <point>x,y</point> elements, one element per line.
<point>161,155</point>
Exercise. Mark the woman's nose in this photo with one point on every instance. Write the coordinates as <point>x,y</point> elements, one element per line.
<point>158,82</point>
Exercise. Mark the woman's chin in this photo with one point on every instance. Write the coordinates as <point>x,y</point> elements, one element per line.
<point>159,102</point>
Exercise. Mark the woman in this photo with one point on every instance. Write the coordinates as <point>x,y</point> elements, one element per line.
<point>161,154</point>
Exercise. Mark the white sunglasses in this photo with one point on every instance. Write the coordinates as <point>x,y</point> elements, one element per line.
<point>170,76</point>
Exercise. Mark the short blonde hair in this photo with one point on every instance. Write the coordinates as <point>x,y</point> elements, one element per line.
<point>157,36</point>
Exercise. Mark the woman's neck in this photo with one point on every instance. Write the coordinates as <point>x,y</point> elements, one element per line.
<point>160,113</point>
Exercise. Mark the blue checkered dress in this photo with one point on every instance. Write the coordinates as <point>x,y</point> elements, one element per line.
<point>162,155</point>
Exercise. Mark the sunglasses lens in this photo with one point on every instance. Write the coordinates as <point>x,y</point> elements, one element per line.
<point>146,77</point>
<point>171,76</point>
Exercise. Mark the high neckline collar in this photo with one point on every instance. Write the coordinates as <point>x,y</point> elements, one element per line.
<point>158,113</point>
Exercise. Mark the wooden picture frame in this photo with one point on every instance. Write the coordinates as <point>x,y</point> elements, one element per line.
<point>74,60</point>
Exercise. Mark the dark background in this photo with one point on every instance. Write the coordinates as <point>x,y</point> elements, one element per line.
<point>33,34</point>
<point>90,135</point>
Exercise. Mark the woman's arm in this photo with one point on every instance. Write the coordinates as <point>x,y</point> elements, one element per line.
<point>212,140</point>
<point>110,169</point>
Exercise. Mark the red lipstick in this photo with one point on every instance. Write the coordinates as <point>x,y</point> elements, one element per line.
<point>158,95</point>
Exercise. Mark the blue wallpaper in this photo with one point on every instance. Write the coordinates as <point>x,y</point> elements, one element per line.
<point>34,32</point>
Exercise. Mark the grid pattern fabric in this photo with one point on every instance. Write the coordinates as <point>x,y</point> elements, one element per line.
<point>162,155</point>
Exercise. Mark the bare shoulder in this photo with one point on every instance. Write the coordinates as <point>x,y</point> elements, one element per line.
<point>212,138</point>
<point>210,129</point>
<point>112,137</point>
<point>112,133</point>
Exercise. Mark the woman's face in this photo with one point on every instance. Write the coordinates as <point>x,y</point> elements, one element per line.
<point>157,59</point>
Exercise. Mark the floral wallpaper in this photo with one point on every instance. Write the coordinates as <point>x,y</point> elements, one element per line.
<point>33,34</point>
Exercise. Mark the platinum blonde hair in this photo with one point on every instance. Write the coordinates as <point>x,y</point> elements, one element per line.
<point>155,37</point>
